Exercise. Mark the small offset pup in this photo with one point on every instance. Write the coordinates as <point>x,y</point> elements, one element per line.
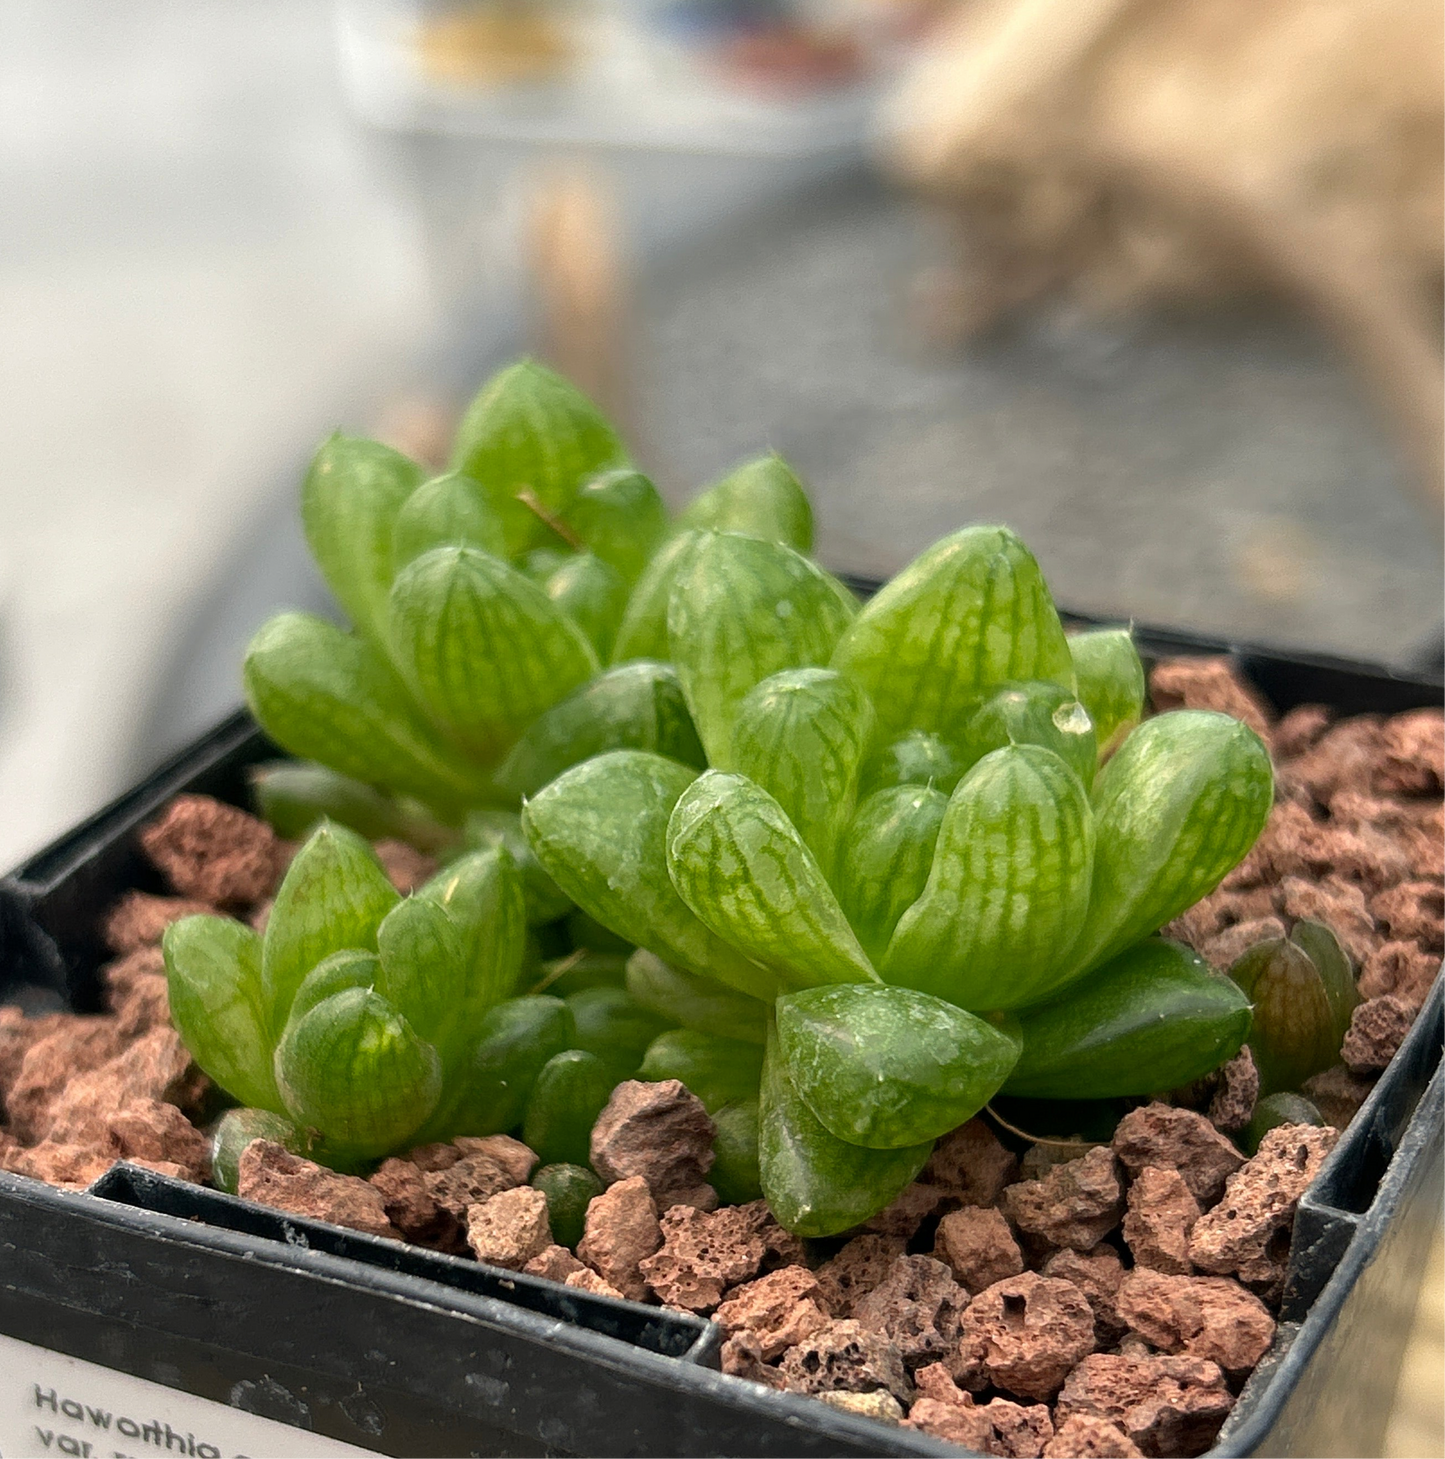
<point>1128,153</point>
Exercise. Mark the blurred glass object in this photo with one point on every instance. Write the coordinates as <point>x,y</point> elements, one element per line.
<point>762,77</point>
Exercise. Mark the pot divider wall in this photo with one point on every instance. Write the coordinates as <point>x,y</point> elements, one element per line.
<point>392,1348</point>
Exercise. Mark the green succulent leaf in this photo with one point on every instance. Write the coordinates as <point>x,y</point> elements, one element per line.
<point>735,1173</point>
<point>1336,970</point>
<point>1275,1110</point>
<point>564,976</point>
<point>918,758</point>
<point>422,966</point>
<point>334,896</point>
<point>701,1004</point>
<point>1110,681</point>
<point>801,735</point>
<point>213,979</point>
<point>619,516</point>
<point>886,855</point>
<point>539,564</point>
<point>329,696</point>
<point>350,499</point>
<point>482,647</point>
<point>643,633</point>
<point>512,1043</point>
<point>738,863</point>
<point>352,967</point>
<point>1303,992</point>
<point>238,1128</point>
<point>594,596</point>
<point>1008,889</point>
<point>761,498</point>
<point>636,706</point>
<point>447,511</point>
<point>1154,1018</point>
<point>742,610</point>
<point>569,1189</point>
<point>718,1070</point>
<point>1175,809</point>
<point>815,1183</point>
<point>970,614</point>
<point>488,830</point>
<point>889,1067</point>
<point>571,1090</point>
<point>615,1026</point>
<point>295,796</point>
<point>530,431</point>
<point>1035,714</point>
<point>600,831</point>
<point>484,895</point>
<point>353,1069</point>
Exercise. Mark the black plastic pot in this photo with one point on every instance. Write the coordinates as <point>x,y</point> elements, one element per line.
<point>398,1350</point>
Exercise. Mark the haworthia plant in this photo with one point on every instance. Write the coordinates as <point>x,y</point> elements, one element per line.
<point>362,1022</point>
<point>927,856</point>
<point>486,606</point>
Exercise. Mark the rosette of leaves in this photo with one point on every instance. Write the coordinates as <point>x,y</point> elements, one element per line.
<point>503,621</point>
<point>905,872</point>
<point>362,1022</point>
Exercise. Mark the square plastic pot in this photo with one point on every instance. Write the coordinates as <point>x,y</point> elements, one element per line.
<point>389,1348</point>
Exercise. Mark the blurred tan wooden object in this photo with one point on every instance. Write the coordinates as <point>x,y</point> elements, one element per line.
<point>1125,153</point>
<point>579,281</point>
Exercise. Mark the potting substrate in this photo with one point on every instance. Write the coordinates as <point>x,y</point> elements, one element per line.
<point>1105,1291</point>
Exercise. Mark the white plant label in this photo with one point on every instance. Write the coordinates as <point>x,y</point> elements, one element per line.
<point>52,1404</point>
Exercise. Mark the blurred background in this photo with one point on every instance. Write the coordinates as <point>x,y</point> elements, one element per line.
<point>1156,281</point>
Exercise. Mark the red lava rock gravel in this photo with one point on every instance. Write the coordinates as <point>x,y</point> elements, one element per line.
<point>1163,1405</point>
<point>214,852</point>
<point>702,1255</point>
<point>271,1175</point>
<point>1077,1204</point>
<point>917,1307</point>
<point>978,1247</point>
<point>1161,1214</point>
<point>621,1232</point>
<point>510,1229</point>
<point>662,1133</point>
<point>1024,1335</point>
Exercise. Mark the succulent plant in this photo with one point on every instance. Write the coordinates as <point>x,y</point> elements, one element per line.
<point>1303,991</point>
<point>905,873</point>
<point>485,607</point>
<point>362,1022</point>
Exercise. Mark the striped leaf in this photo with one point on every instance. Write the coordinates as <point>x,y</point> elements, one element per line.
<point>330,696</point>
<point>738,863</point>
<point>742,610</point>
<point>594,596</point>
<point>762,498</point>
<point>1035,714</point>
<point>530,431</point>
<point>620,517</point>
<point>482,647</point>
<point>889,1067</point>
<point>636,706</point>
<point>450,510</point>
<point>1110,682</point>
<point>697,1003</point>
<point>917,758</point>
<point>1009,886</point>
<point>801,736</point>
<point>334,896</point>
<point>600,831</point>
<point>352,967</point>
<point>968,615</point>
<point>885,857</point>
<point>1156,1017</point>
<point>815,1183</point>
<point>213,978</point>
<point>350,500</point>
<point>1176,808</point>
<point>422,967</point>
<point>354,1070</point>
<point>643,633</point>
<point>484,894</point>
